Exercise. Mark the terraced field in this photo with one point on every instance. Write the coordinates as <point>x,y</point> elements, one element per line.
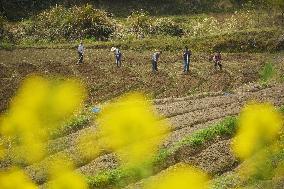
<point>186,115</point>
<point>104,81</point>
<point>191,103</point>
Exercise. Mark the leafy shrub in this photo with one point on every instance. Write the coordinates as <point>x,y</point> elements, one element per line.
<point>6,37</point>
<point>71,23</point>
<point>166,26</point>
<point>206,26</point>
<point>140,25</point>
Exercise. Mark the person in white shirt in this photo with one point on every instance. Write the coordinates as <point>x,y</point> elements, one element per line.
<point>81,53</point>
<point>155,59</point>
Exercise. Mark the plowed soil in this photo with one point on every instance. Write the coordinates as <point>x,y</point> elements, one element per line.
<point>104,81</point>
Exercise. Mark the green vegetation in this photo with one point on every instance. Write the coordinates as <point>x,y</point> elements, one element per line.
<point>17,10</point>
<point>5,36</point>
<point>265,170</point>
<point>76,123</point>
<point>264,177</point>
<point>140,25</point>
<point>21,9</point>
<point>281,109</point>
<point>6,45</point>
<point>69,23</point>
<point>119,177</point>
<point>267,72</point>
<point>61,27</point>
<point>123,176</point>
<point>227,127</point>
<point>264,40</point>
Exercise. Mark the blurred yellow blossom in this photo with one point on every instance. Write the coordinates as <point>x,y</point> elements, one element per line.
<point>130,128</point>
<point>180,177</point>
<point>259,125</point>
<point>279,171</point>
<point>39,108</point>
<point>89,145</point>
<point>63,176</point>
<point>67,97</point>
<point>2,151</point>
<point>15,179</point>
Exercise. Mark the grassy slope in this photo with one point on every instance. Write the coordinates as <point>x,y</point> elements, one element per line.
<point>241,41</point>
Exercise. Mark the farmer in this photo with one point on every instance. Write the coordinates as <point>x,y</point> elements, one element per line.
<point>117,55</point>
<point>186,59</point>
<point>155,59</point>
<point>217,60</point>
<point>80,53</point>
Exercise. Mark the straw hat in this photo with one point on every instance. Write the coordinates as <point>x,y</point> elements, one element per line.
<point>113,49</point>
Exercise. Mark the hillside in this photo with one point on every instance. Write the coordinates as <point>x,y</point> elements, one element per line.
<point>98,126</point>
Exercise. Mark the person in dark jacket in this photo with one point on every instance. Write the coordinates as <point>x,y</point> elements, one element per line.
<point>217,58</point>
<point>186,59</point>
<point>155,59</point>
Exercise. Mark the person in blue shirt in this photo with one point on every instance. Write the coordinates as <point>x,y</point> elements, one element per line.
<point>186,59</point>
<point>117,55</point>
<point>155,59</point>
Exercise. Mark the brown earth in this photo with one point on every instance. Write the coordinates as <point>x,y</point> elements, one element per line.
<point>104,81</point>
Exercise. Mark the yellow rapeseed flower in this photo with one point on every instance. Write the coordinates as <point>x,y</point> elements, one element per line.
<point>15,179</point>
<point>131,128</point>
<point>2,151</point>
<point>259,125</point>
<point>67,96</point>
<point>39,108</point>
<point>180,177</point>
<point>89,145</point>
<point>63,176</point>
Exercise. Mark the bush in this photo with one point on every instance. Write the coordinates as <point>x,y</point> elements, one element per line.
<point>71,23</point>
<point>139,24</point>
<point>166,26</point>
<point>6,37</point>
